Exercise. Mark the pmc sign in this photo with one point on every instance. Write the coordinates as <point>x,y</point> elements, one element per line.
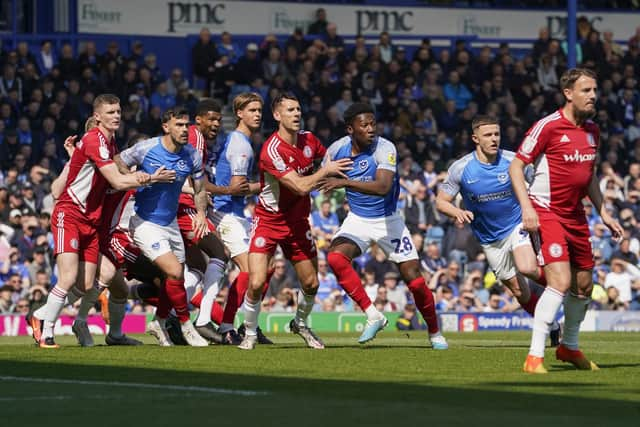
<point>382,20</point>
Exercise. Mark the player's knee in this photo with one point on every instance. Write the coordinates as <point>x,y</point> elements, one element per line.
<point>175,272</point>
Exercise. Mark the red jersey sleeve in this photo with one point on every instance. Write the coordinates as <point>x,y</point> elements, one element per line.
<point>535,142</point>
<point>196,139</point>
<point>319,149</point>
<point>271,161</point>
<point>97,149</point>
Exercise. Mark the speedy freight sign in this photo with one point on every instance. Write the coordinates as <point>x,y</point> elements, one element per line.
<point>179,18</point>
<point>621,321</point>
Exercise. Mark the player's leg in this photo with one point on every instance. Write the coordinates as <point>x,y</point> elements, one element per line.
<point>119,292</point>
<point>258,266</point>
<point>578,298</point>
<point>559,281</point>
<point>307,271</point>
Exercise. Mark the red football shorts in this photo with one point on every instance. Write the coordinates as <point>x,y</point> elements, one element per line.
<point>564,241</point>
<point>294,239</point>
<point>185,223</point>
<point>121,250</point>
<point>72,233</point>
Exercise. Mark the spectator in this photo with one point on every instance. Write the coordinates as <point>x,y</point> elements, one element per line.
<point>319,26</point>
<point>324,224</point>
<point>409,321</point>
<point>228,48</point>
<point>204,55</point>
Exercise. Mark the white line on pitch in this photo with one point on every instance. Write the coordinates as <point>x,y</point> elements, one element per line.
<point>15,399</point>
<point>137,385</point>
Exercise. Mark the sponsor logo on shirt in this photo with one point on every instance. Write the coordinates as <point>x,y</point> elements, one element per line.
<point>565,138</point>
<point>527,146</point>
<point>391,158</point>
<point>578,157</point>
<point>502,178</point>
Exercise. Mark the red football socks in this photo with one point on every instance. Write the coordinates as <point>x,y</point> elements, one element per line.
<point>424,302</point>
<point>348,279</point>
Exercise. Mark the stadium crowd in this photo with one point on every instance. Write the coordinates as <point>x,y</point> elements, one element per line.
<point>425,100</point>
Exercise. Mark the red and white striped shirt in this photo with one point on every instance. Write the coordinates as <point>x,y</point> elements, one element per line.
<point>86,187</point>
<point>563,156</point>
<point>276,202</point>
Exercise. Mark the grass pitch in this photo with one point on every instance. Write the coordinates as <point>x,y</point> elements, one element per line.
<point>396,380</point>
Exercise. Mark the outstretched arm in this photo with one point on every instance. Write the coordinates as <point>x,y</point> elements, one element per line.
<point>200,198</point>
<point>530,220</point>
<point>302,185</point>
<point>380,186</point>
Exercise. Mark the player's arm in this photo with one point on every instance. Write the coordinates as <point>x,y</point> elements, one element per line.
<point>380,186</point>
<point>122,167</point>
<point>237,188</point>
<point>302,185</point>
<point>529,216</point>
<point>57,186</point>
<point>201,200</point>
<point>444,204</point>
<point>596,198</point>
<point>121,181</point>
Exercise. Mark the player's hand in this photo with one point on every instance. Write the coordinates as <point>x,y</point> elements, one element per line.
<point>163,175</point>
<point>327,185</point>
<point>200,226</point>
<point>338,167</point>
<point>530,220</point>
<point>239,188</point>
<point>143,178</point>
<point>70,144</point>
<point>616,229</point>
<point>463,216</point>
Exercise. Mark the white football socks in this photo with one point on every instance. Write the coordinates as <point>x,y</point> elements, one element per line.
<point>305,305</point>
<point>546,311</point>
<point>575,308</point>
<point>251,312</point>
<point>212,278</point>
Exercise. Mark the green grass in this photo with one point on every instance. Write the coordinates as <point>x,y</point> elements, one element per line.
<point>395,380</point>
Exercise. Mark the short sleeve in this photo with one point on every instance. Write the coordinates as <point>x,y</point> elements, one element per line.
<point>451,185</point>
<point>332,152</point>
<point>197,172</point>
<point>239,155</point>
<point>271,161</point>
<point>535,141</point>
<point>96,148</point>
<point>385,155</point>
<point>134,156</point>
<point>319,149</point>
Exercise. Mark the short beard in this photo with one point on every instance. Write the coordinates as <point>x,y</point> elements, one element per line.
<point>582,116</point>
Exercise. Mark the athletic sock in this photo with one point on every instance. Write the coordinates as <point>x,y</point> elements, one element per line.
<point>211,286</point>
<point>51,310</point>
<point>425,303</point>
<point>88,301</point>
<point>116,316</point>
<point>575,308</point>
<point>545,313</point>
<point>192,278</point>
<point>305,305</point>
<point>349,279</point>
<point>217,311</point>
<point>236,296</point>
<point>177,297</point>
<point>251,312</point>
<point>535,291</point>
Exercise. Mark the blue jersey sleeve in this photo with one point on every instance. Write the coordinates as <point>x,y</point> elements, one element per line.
<point>335,150</point>
<point>134,156</point>
<point>239,155</point>
<point>385,155</point>
<point>197,171</point>
<point>451,185</point>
